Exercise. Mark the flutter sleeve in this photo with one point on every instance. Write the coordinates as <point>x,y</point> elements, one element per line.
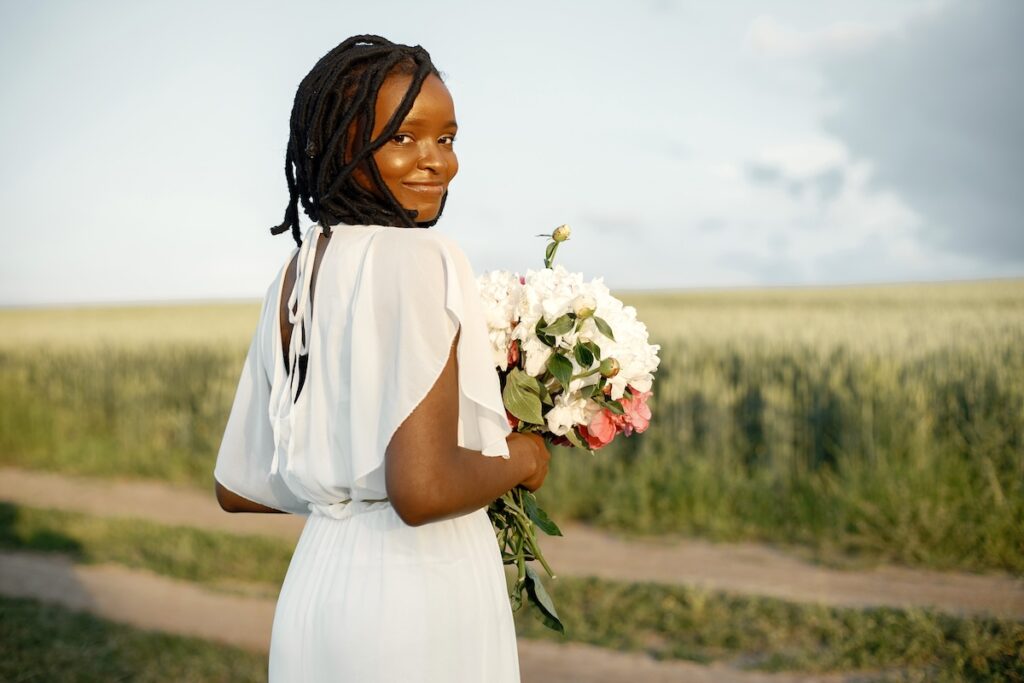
<point>247,447</point>
<point>420,289</point>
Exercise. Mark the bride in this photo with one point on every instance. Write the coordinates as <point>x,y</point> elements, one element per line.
<point>377,413</point>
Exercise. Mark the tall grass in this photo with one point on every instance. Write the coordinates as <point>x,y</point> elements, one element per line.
<point>667,622</point>
<point>912,459</point>
<point>149,411</point>
<point>885,422</point>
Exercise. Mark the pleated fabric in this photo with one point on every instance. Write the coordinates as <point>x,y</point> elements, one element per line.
<point>367,597</point>
<point>373,599</point>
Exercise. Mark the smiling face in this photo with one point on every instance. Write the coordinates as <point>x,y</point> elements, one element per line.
<point>419,161</point>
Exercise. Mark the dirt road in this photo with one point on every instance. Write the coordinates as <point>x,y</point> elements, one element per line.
<point>584,551</point>
<point>150,601</point>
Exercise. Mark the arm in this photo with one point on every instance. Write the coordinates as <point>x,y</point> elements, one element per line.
<point>232,502</point>
<point>430,477</point>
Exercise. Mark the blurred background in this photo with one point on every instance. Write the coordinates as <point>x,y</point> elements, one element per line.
<point>814,207</point>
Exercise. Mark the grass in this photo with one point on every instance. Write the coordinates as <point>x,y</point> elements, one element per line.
<point>672,622</point>
<point>683,622</point>
<point>181,552</point>
<point>45,643</point>
<point>872,423</point>
<point>885,459</point>
<point>154,412</point>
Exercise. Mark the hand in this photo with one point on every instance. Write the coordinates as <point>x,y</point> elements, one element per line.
<point>540,454</point>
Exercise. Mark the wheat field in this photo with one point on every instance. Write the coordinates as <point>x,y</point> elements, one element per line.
<point>875,421</point>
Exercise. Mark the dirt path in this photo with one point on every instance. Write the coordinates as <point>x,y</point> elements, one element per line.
<point>740,567</point>
<point>150,601</point>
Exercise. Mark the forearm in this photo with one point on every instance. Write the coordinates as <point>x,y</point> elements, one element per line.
<point>232,502</point>
<point>472,480</point>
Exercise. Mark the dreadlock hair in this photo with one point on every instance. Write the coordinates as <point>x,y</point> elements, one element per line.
<point>338,95</point>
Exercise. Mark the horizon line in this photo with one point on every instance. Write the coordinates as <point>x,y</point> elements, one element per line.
<point>616,292</point>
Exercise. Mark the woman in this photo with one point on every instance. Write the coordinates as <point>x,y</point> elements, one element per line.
<point>378,412</point>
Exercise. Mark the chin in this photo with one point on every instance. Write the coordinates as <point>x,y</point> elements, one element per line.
<point>427,214</point>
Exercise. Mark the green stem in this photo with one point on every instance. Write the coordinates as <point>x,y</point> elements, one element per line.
<point>535,550</point>
<point>520,564</point>
<point>588,373</point>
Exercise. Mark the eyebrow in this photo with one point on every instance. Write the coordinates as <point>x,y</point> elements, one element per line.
<point>414,120</point>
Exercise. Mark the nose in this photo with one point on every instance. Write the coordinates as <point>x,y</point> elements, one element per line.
<point>431,158</point>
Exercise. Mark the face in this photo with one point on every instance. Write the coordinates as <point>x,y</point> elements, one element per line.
<point>419,161</point>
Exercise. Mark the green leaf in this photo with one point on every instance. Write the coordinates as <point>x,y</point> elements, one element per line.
<point>575,439</point>
<point>545,395</point>
<point>519,400</point>
<point>605,328</point>
<point>540,599</point>
<point>530,383</point>
<point>561,368</point>
<point>560,326</point>
<point>516,598</point>
<point>583,355</point>
<point>539,517</point>
<point>593,348</point>
<point>544,338</point>
<point>613,406</point>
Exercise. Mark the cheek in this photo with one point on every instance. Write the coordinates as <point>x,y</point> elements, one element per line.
<point>395,164</point>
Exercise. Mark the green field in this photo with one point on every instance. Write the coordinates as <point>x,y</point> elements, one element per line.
<point>40,642</point>
<point>859,423</point>
<point>667,622</point>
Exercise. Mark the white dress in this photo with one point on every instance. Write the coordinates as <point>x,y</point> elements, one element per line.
<point>368,598</point>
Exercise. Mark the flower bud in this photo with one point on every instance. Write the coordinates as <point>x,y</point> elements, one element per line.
<point>584,306</point>
<point>561,233</point>
<point>609,367</point>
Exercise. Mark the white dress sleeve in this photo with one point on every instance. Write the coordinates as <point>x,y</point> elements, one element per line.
<point>247,447</point>
<point>419,290</point>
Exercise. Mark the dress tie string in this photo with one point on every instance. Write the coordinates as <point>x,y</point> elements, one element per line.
<point>346,508</point>
<point>299,310</point>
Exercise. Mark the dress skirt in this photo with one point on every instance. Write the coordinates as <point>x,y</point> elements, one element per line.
<point>370,599</point>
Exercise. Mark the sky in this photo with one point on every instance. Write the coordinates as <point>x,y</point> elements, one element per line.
<point>688,145</point>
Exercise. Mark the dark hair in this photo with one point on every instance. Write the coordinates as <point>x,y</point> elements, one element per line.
<point>341,89</point>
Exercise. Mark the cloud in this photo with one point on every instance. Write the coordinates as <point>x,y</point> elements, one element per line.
<point>764,174</point>
<point>770,37</point>
<point>825,184</point>
<point>938,112</point>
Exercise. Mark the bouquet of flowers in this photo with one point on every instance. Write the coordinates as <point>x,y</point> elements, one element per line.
<point>576,368</point>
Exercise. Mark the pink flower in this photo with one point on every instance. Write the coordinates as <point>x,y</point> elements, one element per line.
<point>602,428</point>
<point>512,356</point>
<point>637,415</point>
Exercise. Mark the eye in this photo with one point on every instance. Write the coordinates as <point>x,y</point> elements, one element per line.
<point>451,138</point>
<point>395,138</point>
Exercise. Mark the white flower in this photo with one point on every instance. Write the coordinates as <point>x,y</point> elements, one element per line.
<point>583,305</point>
<point>513,304</point>
<point>499,295</point>
<point>566,413</point>
<point>536,356</point>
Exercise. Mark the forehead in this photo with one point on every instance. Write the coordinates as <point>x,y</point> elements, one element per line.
<point>433,106</point>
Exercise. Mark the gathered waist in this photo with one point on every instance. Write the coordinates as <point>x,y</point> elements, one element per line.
<point>346,508</point>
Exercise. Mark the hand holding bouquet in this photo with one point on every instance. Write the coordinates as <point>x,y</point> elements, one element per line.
<point>576,368</point>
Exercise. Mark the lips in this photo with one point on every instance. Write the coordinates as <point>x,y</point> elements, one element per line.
<point>433,189</point>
